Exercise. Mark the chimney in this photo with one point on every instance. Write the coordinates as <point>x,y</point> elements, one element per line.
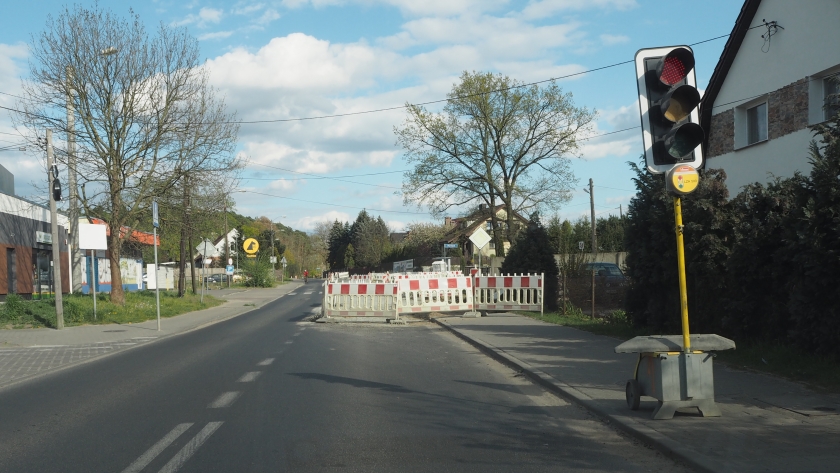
<point>481,206</point>
<point>447,222</point>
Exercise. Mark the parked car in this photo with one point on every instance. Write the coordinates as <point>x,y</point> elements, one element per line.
<point>609,273</point>
<point>217,278</point>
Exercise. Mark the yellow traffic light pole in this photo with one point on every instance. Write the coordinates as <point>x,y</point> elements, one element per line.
<point>681,268</point>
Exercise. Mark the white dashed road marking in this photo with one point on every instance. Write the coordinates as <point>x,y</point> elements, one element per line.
<point>308,292</point>
<point>190,448</point>
<point>266,362</point>
<point>225,400</point>
<point>249,377</point>
<point>153,452</point>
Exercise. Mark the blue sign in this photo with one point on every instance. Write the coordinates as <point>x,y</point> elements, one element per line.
<point>229,269</point>
<point>450,245</point>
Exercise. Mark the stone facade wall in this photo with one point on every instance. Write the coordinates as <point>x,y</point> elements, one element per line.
<point>721,134</point>
<point>787,112</point>
<point>787,109</point>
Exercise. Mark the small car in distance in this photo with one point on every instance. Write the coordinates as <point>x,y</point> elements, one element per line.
<point>609,273</point>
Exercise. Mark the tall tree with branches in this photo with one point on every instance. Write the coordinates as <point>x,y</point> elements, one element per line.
<point>496,141</point>
<point>145,115</point>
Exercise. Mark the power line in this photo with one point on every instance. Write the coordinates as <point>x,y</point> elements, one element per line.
<point>431,102</point>
<point>331,204</point>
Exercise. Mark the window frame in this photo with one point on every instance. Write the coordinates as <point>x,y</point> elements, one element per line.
<point>741,122</point>
<point>759,115</point>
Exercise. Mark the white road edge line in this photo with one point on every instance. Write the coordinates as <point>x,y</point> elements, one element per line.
<point>153,452</point>
<point>266,362</point>
<point>190,448</point>
<point>225,400</point>
<point>249,377</point>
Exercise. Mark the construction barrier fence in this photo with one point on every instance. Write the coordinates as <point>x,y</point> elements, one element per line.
<point>387,296</point>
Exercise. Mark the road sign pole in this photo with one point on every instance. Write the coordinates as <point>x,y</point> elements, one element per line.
<point>155,224</point>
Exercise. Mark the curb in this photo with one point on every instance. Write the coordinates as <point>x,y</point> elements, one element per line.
<point>646,435</point>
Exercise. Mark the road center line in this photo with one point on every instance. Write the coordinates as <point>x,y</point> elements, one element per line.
<point>160,446</point>
<point>225,400</point>
<point>190,448</point>
<point>266,362</point>
<point>249,377</point>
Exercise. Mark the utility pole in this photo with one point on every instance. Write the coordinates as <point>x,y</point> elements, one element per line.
<point>73,193</point>
<point>52,173</point>
<point>594,239</point>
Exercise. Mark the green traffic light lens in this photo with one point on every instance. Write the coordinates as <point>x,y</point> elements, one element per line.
<point>684,140</point>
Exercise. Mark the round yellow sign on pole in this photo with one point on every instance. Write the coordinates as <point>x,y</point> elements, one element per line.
<point>251,246</point>
<point>682,180</point>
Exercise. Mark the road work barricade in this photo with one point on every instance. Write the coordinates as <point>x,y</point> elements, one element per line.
<point>516,292</point>
<point>442,294</point>
<point>360,301</point>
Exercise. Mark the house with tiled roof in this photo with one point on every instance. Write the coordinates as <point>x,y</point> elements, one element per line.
<point>769,86</point>
<point>461,229</point>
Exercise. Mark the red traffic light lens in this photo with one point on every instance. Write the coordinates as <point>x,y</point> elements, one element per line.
<point>673,71</point>
<point>675,66</point>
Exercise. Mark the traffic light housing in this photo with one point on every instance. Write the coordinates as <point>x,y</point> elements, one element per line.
<point>56,190</point>
<point>668,100</point>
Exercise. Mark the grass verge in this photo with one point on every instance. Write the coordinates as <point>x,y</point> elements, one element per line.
<point>78,309</point>
<point>791,363</point>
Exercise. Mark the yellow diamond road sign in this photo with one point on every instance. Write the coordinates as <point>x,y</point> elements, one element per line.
<point>251,246</point>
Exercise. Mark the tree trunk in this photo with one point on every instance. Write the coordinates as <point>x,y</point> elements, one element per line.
<point>117,293</point>
<point>182,276</point>
<point>192,265</point>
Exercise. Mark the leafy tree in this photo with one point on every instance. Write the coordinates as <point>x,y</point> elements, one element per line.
<point>496,141</point>
<point>144,117</point>
<point>337,247</point>
<point>653,295</point>
<point>610,232</point>
<point>532,253</point>
<point>814,247</point>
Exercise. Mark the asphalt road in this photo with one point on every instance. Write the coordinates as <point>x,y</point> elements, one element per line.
<point>269,391</point>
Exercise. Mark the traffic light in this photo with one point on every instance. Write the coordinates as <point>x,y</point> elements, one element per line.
<point>56,184</point>
<point>56,190</point>
<point>668,101</point>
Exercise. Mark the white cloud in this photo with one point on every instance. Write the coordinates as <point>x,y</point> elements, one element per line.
<point>216,35</point>
<point>267,17</point>
<point>610,39</point>
<point>548,8</point>
<point>412,7</point>
<point>204,18</point>
<point>241,9</point>
<point>308,223</point>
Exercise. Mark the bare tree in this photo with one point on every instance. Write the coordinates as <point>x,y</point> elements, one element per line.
<point>497,142</point>
<point>145,116</point>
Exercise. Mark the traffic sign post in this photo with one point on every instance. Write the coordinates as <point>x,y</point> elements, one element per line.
<point>206,249</point>
<point>283,262</point>
<point>155,225</point>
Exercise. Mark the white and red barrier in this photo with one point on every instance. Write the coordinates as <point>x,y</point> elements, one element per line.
<point>360,300</point>
<point>516,292</point>
<point>360,297</point>
<point>449,294</point>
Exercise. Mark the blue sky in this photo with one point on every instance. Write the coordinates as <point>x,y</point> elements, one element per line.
<point>291,59</point>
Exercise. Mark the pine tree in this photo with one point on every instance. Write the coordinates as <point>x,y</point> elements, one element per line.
<point>532,253</point>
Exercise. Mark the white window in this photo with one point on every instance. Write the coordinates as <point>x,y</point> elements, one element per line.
<point>757,123</point>
<point>822,98</point>
<point>831,102</point>
<point>492,245</point>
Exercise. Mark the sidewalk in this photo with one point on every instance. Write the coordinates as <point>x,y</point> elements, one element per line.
<point>26,353</point>
<point>767,424</point>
